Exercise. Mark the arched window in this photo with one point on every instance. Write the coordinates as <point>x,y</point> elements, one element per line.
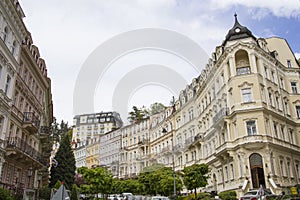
<point>242,62</point>
<point>5,34</point>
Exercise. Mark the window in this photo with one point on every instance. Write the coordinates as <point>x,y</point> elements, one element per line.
<point>291,136</point>
<point>283,132</point>
<point>5,32</point>
<point>272,76</point>
<point>13,48</point>
<point>243,70</point>
<point>251,127</point>
<point>7,84</point>
<point>247,95</point>
<point>294,87</point>
<point>298,111</point>
<point>275,129</point>
<point>0,71</point>
<point>266,72</point>
<point>270,98</point>
<point>289,64</point>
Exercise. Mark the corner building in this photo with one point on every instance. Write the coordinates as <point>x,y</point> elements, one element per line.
<point>240,116</point>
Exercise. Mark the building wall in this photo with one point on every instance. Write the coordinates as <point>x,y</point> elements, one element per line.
<point>26,95</point>
<point>86,132</point>
<point>240,116</point>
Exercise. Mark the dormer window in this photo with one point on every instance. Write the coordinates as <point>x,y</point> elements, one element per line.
<point>289,64</point>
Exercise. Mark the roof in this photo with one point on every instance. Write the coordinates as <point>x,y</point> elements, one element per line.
<point>238,32</point>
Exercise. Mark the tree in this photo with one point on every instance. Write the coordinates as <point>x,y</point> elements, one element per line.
<point>159,181</point>
<point>195,176</point>
<point>298,61</point>
<point>138,114</point>
<point>156,108</point>
<point>97,180</point>
<point>64,171</point>
<point>74,193</point>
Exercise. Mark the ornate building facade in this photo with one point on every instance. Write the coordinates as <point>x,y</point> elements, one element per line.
<point>26,106</point>
<point>240,116</point>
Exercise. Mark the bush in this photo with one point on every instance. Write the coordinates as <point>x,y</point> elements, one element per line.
<point>44,193</point>
<point>203,195</point>
<point>5,194</point>
<point>228,195</point>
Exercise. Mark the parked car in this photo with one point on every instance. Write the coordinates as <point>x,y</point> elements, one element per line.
<point>257,194</point>
<point>159,198</point>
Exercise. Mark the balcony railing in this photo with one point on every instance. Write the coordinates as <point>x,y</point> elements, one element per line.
<point>31,121</point>
<point>223,112</point>
<point>24,148</point>
<point>143,141</point>
<point>189,140</point>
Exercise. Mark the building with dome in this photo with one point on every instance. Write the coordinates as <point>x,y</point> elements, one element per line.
<point>240,116</point>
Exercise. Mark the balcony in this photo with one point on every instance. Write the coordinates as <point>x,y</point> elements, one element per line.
<point>143,142</point>
<point>223,112</point>
<point>189,140</point>
<point>167,150</point>
<point>45,132</point>
<point>21,151</point>
<point>31,122</point>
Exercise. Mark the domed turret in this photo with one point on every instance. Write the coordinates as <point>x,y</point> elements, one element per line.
<point>237,32</point>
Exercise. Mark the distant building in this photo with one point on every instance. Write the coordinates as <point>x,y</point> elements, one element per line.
<point>86,132</point>
<point>110,145</point>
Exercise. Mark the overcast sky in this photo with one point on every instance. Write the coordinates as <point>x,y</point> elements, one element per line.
<point>68,32</point>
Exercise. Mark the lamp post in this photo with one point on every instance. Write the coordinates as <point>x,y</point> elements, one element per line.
<point>173,163</point>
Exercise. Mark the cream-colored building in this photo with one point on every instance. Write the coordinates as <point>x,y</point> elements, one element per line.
<point>240,116</point>
<point>26,106</point>
<point>135,149</point>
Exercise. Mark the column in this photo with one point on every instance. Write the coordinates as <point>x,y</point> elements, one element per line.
<point>231,67</point>
<point>253,63</point>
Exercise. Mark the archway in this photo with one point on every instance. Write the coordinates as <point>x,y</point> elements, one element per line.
<point>257,170</point>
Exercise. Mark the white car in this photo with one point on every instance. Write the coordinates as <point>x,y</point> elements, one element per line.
<point>159,198</point>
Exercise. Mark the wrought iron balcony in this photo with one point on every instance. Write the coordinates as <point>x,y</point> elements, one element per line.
<point>31,122</point>
<point>21,148</point>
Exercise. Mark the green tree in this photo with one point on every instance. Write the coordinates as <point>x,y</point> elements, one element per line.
<point>138,114</point>
<point>156,108</point>
<point>74,193</point>
<point>195,176</point>
<point>97,180</point>
<point>64,171</point>
<point>158,180</point>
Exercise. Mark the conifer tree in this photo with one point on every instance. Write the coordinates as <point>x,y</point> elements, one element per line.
<point>64,167</point>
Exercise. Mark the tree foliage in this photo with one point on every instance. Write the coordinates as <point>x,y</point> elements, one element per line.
<point>138,114</point>
<point>195,176</point>
<point>160,181</point>
<point>64,171</point>
<point>156,108</point>
<point>5,194</point>
<point>97,180</point>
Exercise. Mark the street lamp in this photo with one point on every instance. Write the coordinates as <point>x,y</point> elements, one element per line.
<point>173,162</point>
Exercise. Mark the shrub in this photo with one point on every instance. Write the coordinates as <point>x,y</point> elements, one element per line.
<point>203,195</point>
<point>228,195</point>
<point>5,195</point>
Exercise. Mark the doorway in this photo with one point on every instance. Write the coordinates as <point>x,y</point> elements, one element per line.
<point>257,170</point>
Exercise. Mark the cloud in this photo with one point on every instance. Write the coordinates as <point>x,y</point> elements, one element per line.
<point>66,32</point>
<point>260,9</point>
<point>297,55</point>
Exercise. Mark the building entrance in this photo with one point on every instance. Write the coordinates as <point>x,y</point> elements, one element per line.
<point>257,171</point>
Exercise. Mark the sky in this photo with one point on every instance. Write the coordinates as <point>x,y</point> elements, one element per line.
<point>110,55</point>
